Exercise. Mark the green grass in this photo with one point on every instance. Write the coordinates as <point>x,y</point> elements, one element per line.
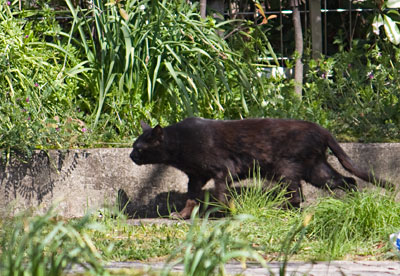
<point>45,245</point>
<point>355,227</point>
<point>358,224</point>
<point>211,244</point>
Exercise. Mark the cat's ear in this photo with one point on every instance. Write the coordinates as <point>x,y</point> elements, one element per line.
<point>158,132</point>
<point>144,126</point>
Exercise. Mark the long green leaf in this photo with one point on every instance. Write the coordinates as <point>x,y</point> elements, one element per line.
<point>391,30</point>
<point>199,254</point>
<point>178,59</point>
<point>393,4</point>
<point>377,23</point>
<point>181,87</point>
<point>155,73</point>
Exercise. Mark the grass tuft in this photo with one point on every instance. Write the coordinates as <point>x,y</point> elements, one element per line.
<point>209,245</point>
<point>44,245</point>
<point>357,221</point>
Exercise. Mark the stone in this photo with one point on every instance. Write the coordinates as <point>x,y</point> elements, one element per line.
<point>80,180</point>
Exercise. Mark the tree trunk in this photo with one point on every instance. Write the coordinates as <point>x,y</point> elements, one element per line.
<point>298,36</point>
<point>217,6</point>
<point>203,8</point>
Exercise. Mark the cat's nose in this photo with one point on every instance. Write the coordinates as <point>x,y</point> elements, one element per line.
<point>132,156</point>
<point>135,157</point>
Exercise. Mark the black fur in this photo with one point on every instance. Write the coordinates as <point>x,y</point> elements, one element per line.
<point>285,150</point>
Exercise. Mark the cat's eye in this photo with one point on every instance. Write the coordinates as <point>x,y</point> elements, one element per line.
<point>139,150</point>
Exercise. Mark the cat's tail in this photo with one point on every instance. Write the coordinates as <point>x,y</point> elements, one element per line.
<point>348,164</point>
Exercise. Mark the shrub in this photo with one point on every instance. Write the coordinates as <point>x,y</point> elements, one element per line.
<point>356,93</point>
<point>38,83</point>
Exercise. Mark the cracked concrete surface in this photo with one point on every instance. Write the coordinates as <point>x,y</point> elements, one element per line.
<point>88,179</point>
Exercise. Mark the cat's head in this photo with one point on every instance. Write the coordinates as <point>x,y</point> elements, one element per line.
<point>149,147</point>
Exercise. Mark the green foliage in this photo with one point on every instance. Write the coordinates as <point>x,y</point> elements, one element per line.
<point>333,228</point>
<point>361,219</point>
<point>162,55</point>
<point>141,242</point>
<point>356,94</point>
<point>358,225</point>
<point>257,198</point>
<point>208,246</point>
<point>89,82</point>
<point>37,81</point>
<point>388,20</point>
<point>42,245</point>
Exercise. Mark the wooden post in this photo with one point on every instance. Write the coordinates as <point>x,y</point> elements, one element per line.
<point>203,8</point>
<point>316,28</point>
<point>217,6</point>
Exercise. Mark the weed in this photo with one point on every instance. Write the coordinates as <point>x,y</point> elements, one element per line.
<point>360,220</point>
<point>43,245</point>
<point>208,246</point>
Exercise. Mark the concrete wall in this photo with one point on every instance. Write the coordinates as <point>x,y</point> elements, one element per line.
<point>79,180</point>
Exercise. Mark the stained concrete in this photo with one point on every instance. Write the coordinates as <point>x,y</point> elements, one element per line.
<point>88,179</point>
<point>334,268</point>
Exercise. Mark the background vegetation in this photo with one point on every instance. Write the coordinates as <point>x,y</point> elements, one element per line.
<point>76,77</point>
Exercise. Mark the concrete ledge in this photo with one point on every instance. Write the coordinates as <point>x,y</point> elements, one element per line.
<point>333,268</point>
<point>84,179</point>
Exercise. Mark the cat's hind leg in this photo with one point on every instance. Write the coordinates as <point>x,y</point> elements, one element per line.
<point>294,192</point>
<point>323,175</point>
<point>289,174</point>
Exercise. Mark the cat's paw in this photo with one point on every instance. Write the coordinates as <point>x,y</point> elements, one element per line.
<point>178,216</point>
<point>186,212</point>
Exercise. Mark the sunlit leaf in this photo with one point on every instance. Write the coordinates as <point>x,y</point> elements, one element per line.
<point>377,23</point>
<point>391,30</point>
<point>123,14</point>
<point>394,4</point>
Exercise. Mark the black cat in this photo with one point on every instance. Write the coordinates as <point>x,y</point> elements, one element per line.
<point>285,150</point>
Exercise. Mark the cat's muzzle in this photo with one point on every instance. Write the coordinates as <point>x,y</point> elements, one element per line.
<point>136,158</point>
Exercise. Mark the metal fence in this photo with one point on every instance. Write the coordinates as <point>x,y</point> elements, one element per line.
<point>340,18</point>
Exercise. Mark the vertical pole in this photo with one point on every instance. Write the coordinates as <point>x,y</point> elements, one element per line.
<point>281,31</point>
<point>325,29</point>
<point>203,8</point>
<point>316,28</point>
<point>305,21</point>
<point>350,26</point>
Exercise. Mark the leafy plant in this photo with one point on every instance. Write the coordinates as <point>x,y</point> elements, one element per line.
<point>43,245</point>
<point>361,219</point>
<point>384,19</point>
<point>162,52</point>
<point>209,245</point>
<point>38,89</point>
<point>258,198</point>
<point>356,93</point>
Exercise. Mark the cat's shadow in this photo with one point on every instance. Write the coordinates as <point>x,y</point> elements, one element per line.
<point>160,206</point>
<point>167,202</point>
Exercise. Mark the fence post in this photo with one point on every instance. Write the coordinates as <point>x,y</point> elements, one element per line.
<point>316,28</point>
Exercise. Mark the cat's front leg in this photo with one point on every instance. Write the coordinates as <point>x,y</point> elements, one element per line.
<point>194,192</point>
<point>187,211</point>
